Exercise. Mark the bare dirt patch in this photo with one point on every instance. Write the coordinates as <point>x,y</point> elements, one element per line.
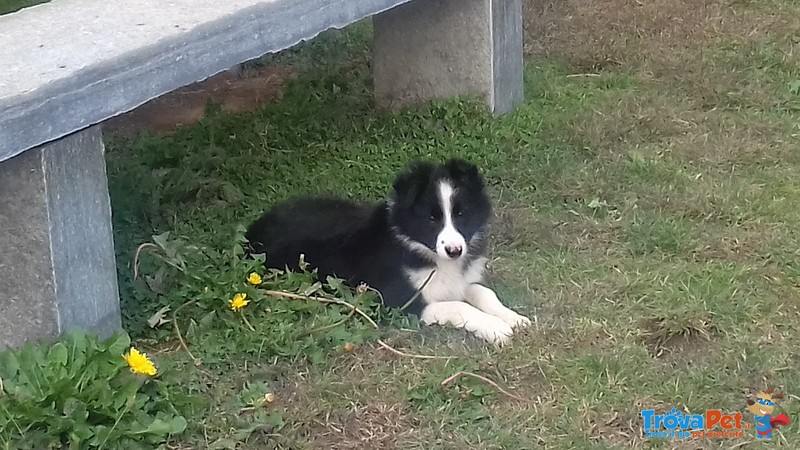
<point>689,344</point>
<point>235,90</point>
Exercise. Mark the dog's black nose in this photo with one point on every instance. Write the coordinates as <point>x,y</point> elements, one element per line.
<point>454,251</point>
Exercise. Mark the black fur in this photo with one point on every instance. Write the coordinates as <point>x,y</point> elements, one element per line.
<point>375,243</point>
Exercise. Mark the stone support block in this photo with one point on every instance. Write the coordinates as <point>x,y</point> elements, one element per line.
<point>57,266</point>
<point>435,49</point>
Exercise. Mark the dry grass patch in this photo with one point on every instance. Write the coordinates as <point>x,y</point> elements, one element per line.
<point>613,428</point>
<point>515,227</point>
<point>722,142</point>
<point>643,35</point>
<point>747,243</point>
<point>349,405</point>
<point>696,46</point>
<point>689,344</point>
<point>668,126</point>
<point>374,425</point>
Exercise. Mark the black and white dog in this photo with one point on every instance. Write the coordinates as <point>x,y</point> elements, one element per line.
<point>434,221</point>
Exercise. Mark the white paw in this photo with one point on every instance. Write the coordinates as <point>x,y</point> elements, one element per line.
<point>463,315</point>
<point>493,330</point>
<point>515,320</point>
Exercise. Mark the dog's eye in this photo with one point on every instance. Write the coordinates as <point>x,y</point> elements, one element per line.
<point>431,219</point>
<point>460,212</point>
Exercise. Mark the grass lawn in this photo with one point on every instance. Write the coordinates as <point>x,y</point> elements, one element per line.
<point>648,208</point>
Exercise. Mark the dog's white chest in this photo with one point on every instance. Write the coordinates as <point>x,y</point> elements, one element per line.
<point>449,280</point>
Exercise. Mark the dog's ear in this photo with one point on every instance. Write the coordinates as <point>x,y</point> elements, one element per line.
<point>777,395</point>
<point>750,401</point>
<point>410,183</point>
<point>466,172</point>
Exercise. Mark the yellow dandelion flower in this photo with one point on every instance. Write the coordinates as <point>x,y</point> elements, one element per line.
<point>239,301</point>
<point>254,279</point>
<point>139,363</point>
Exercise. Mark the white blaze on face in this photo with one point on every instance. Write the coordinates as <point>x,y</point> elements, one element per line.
<point>450,244</point>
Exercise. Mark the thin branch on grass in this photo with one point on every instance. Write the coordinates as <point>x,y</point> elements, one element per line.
<point>178,331</point>
<point>329,301</point>
<point>419,291</point>
<point>370,288</point>
<point>148,245</point>
<point>410,355</point>
<point>136,257</point>
<point>485,380</point>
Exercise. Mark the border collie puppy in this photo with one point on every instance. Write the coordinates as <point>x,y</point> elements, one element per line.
<point>430,234</point>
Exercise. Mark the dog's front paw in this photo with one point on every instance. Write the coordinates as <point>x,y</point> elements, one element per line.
<point>515,320</point>
<point>494,331</point>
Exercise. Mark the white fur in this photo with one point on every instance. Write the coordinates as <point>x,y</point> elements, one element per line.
<point>449,282</point>
<point>486,300</point>
<point>449,236</point>
<point>453,294</point>
<point>455,298</point>
<point>464,315</point>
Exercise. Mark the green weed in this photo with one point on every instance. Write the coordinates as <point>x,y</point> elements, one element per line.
<point>79,393</point>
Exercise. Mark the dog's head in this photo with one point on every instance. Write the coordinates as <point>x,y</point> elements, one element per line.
<point>441,210</point>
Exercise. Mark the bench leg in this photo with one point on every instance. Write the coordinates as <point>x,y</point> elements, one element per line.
<point>57,266</point>
<point>429,49</point>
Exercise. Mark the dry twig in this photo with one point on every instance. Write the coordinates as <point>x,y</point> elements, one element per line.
<point>367,287</point>
<point>323,300</point>
<point>410,355</point>
<point>485,380</point>
<point>178,331</point>
<point>419,291</point>
<point>157,251</point>
<point>136,257</point>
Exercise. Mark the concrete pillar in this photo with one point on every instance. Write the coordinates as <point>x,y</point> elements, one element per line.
<point>429,49</point>
<point>57,266</point>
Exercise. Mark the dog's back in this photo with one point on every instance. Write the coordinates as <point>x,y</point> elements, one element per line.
<point>319,228</point>
<point>337,238</point>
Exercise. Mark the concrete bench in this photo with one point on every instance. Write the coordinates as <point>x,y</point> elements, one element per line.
<point>69,65</point>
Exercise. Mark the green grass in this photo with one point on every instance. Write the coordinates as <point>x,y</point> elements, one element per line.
<point>647,221</point>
